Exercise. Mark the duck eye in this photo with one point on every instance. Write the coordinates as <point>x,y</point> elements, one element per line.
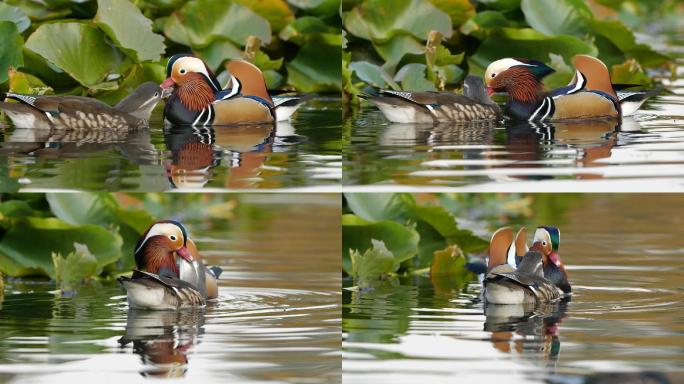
<point>173,238</point>
<point>182,71</point>
<point>156,94</point>
<point>493,75</point>
<point>544,243</point>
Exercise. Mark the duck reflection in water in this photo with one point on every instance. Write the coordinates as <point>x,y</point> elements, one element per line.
<point>528,330</point>
<point>195,151</point>
<point>163,339</point>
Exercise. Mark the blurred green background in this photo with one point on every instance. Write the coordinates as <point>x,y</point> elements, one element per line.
<point>431,45</point>
<point>105,48</point>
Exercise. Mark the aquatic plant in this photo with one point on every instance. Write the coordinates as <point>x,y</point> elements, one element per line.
<point>106,48</point>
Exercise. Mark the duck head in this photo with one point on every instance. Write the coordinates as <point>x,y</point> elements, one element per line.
<point>546,241</point>
<point>156,247</point>
<point>142,101</point>
<point>520,78</point>
<point>192,81</point>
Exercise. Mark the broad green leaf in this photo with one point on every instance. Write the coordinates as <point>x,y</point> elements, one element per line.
<point>21,254</point>
<point>449,261</point>
<point>558,17</point>
<point>511,42</point>
<point>369,206</point>
<point>129,29</point>
<point>302,29</point>
<point>20,82</point>
<point>219,51</point>
<point>78,265</point>
<point>78,49</point>
<point>199,23</point>
<point>15,209</point>
<point>502,5</point>
<point>373,74</point>
<point>372,263</point>
<point>276,12</point>
<point>316,68</point>
<point>380,20</point>
<point>629,72</point>
<point>445,223</point>
<point>413,78</point>
<point>136,75</point>
<point>479,24</point>
<point>15,15</point>
<point>623,39</point>
<point>318,7</point>
<point>11,46</point>
<point>394,50</point>
<point>357,234</point>
<point>458,10</point>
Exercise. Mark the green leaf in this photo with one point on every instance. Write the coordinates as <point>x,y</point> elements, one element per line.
<point>20,82</point>
<point>502,5</point>
<point>413,78</point>
<point>380,20</point>
<point>219,51</point>
<point>199,23</point>
<point>15,15</point>
<point>370,206</point>
<point>75,267</point>
<point>629,72</point>
<point>276,12</point>
<point>302,29</point>
<point>479,24</point>
<point>458,10</point>
<point>445,223</point>
<point>448,262</point>
<point>318,7</point>
<point>76,48</point>
<point>357,234</point>
<point>373,262</point>
<point>11,46</point>
<point>623,39</point>
<point>559,17</point>
<point>15,209</point>
<point>394,50</point>
<point>373,74</point>
<point>129,29</point>
<point>27,247</point>
<point>316,68</point>
<point>511,42</point>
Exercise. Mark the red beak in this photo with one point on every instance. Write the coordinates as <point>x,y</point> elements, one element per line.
<point>168,83</point>
<point>185,254</point>
<point>490,90</point>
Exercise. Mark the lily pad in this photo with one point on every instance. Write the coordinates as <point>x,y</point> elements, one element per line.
<point>316,68</point>
<point>413,78</point>
<point>394,50</point>
<point>129,29</point>
<point>15,15</point>
<point>21,82</point>
<point>448,262</point>
<point>558,17</point>
<point>276,12</point>
<point>78,49</point>
<point>75,267</point>
<point>199,23</point>
<point>21,254</point>
<point>318,7</point>
<point>372,263</point>
<point>219,51</point>
<point>380,20</point>
<point>357,234</point>
<point>10,49</point>
<point>301,30</point>
<point>622,38</point>
<point>458,10</point>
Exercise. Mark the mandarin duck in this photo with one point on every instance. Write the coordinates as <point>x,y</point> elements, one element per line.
<point>430,107</point>
<point>197,98</point>
<point>591,95</point>
<point>525,285</point>
<point>159,286</point>
<point>77,112</point>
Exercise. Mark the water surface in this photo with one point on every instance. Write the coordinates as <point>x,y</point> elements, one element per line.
<point>277,318</point>
<point>304,153</point>
<point>624,255</point>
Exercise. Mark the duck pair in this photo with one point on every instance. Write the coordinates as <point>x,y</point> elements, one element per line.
<point>517,274</point>
<point>590,95</point>
<point>174,276</point>
<point>197,97</point>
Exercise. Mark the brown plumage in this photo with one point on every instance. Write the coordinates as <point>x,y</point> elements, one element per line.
<point>251,78</point>
<point>520,83</point>
<point>241,111</point>
<point>194,92</point>
<point>583,105</point>
<point>596,74</point>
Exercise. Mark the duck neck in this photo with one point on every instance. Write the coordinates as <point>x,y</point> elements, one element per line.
<point>158,259</point>
<point>195,93</point>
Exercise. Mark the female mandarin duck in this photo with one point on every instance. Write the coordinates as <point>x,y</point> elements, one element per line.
<point>76,112</point>
<point>162,285</point>
<point>525,285</point>
<point>590,96</point>
<point>197,97</point>
<point>431,107</point>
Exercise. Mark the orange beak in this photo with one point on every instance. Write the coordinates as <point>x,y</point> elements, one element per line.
<point>185,254</point>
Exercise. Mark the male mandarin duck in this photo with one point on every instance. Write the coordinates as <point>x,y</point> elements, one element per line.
<point>76,112</point>
<point>162,285</point>
<point>591,95</point>
<point>431,107</point>
<point>525,285</point>
<point>197,97</point>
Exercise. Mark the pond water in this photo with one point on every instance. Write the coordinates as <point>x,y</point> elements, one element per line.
<point>277,318</point>
<point>643,153</point>
<point>624,323</point>
<point>304,153</point>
